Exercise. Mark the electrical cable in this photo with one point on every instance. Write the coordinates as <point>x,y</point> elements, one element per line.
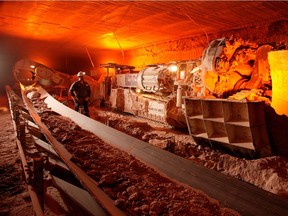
<point>207,39</point>
<point>114,32</point>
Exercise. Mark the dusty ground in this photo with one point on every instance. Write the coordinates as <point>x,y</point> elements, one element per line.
<point>270,173</point>
<point>14,196</point>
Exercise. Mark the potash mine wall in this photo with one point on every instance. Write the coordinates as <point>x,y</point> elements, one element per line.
<point>190,48</point>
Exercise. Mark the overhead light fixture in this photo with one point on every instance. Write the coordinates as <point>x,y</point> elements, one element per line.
<point>173,68</point>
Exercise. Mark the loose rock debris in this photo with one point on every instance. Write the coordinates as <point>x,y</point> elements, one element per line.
<point>136,188</point>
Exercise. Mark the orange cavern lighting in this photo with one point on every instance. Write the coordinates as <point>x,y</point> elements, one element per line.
<point>279,71</point>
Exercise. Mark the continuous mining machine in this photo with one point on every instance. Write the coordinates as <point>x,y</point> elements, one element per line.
<point>227,67</point>
<point>220,97</point>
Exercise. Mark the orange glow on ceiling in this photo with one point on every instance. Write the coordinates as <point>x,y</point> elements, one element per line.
<point>135,23</point>
<point>111,41</point>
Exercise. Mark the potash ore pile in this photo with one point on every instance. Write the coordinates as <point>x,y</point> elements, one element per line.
<point>136,188</point>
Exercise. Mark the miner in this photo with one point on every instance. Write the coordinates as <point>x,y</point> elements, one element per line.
<point>80,92</point>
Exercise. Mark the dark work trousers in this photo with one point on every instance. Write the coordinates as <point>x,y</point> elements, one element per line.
<point>84,103</point>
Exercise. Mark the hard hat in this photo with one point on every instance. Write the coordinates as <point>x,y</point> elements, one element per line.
<point>80,74</point>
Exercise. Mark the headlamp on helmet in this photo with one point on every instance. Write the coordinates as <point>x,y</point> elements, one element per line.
<point>81,74</point>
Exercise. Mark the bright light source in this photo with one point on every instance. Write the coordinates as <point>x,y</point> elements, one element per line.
<point>138,90</point>
<point>278,67</point>
<point>182,74</point>
<point>173,68</point>
<point>32,66</point>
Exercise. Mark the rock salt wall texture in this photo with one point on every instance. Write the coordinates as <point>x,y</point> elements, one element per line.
<point>192,47</point>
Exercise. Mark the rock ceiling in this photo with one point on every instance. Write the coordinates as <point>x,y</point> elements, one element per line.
<point>128,24</point>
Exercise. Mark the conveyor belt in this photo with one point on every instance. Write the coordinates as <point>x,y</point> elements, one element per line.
<point>89,184</point>
<point>238,195</point>
<point>80,196</point>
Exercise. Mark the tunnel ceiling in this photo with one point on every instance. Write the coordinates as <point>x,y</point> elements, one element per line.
<point>128,24</point>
